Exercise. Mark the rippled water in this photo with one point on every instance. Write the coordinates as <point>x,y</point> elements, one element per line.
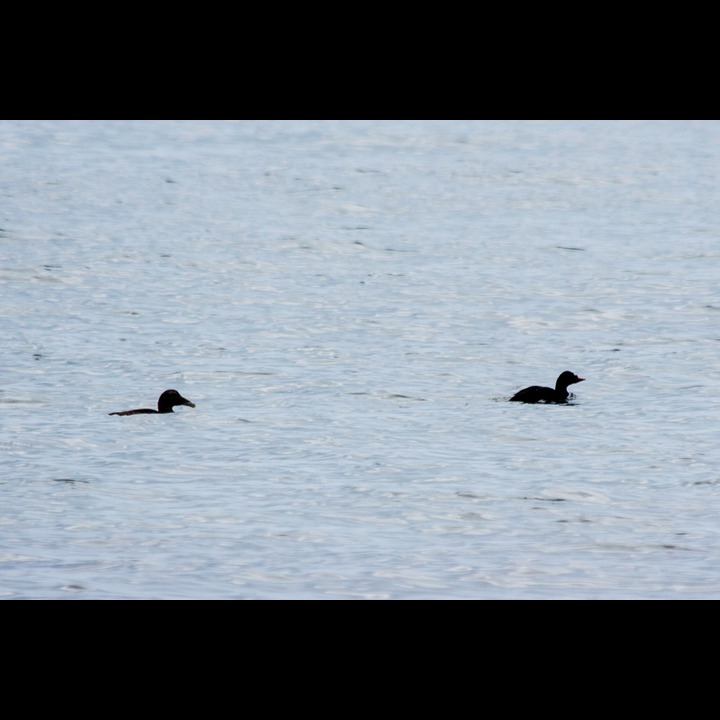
<point>350,305</point>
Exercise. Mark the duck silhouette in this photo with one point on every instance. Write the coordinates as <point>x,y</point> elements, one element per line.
<point>166,402</point>
<point>538,393</point>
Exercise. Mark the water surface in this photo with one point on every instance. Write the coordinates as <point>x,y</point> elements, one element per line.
<point>350,304</point>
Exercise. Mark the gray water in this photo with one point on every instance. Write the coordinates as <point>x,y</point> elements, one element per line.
<point>350,304</point>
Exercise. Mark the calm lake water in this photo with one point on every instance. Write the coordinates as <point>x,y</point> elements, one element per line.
<point>350,304</point>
